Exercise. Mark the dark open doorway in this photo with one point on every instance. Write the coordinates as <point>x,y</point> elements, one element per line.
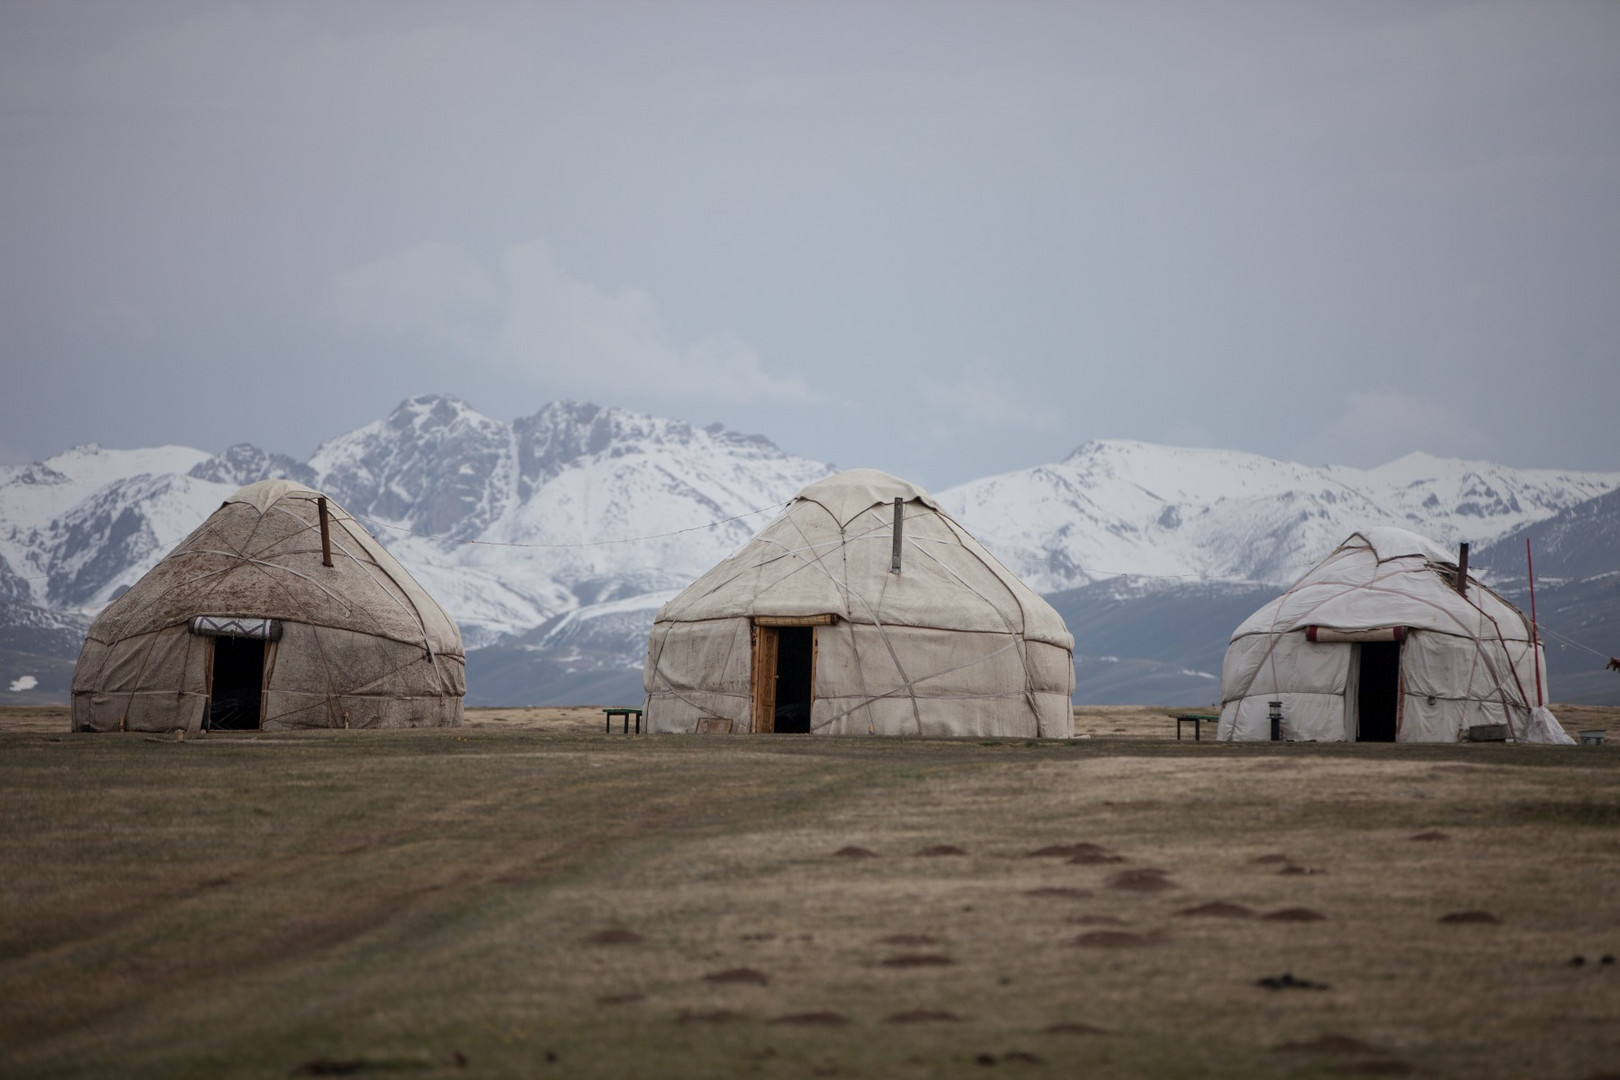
<point>238,680</point>
<point>795,660</point>
<point>1378,690</point>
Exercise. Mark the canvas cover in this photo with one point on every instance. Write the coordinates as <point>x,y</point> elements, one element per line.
<point>1465,661</point>
<point>954,644</point>
<point>356,644</point>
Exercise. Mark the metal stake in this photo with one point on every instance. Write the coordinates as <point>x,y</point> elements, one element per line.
<point>894,565</point>
<point>326,536</point>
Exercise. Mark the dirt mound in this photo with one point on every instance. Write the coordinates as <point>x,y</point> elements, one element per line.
<point>912,960</point>
<point>1096,859</point>
<point>1266,860</point>
<point>1431,835</point>
<point>1287,981</point>
<point>1294,914</point>
<point>737,975</point>
<point>824,1019</point>
<point>1116,939</point>
<point>922,1016</point>
<point>1143,880</point>
<point>710,1016</point>
<point>941,849</point>
<point>1095,920</point>
<point>853,852</point>
<point>1332,1044</point>
<point>1066,851</point>
<point>1218,909</point>
<point>1059,890</point>
<point>1075,1028</point>
<point>331,1067</point>
<point>620,999</point>
<point>1462,917</point>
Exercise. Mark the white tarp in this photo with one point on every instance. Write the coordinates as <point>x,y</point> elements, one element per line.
<point>954,644</point>
<point>1465,661</point>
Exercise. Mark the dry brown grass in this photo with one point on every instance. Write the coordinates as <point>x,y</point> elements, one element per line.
<point>526,896</point>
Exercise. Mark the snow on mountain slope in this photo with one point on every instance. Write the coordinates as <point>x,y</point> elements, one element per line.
<point>509,525</point>
<point>1116,507</point>
<point>63,523</point>
<point>110,539</point>
<point>433,465</point>
<point>1478,501</point>
<point>36,493</point>
<point>244,464</point>
<point>553,539</point>
<point>513,525</point>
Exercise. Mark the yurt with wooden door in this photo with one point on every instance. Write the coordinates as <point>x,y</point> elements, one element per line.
<point>280,611</point>
<point>1387,640</point>
<point>862,609</point>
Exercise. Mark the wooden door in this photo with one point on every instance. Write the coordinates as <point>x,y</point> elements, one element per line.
<point>765,649</point>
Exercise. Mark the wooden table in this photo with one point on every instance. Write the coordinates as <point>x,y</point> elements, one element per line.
<point>1197,720</point>
<point>627,714</point>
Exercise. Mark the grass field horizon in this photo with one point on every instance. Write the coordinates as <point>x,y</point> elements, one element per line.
<point>527,896</point>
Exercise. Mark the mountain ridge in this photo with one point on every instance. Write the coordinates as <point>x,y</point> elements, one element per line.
<point>554,538</point>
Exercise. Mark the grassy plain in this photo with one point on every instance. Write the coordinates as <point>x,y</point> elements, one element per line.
<point>527,896</point>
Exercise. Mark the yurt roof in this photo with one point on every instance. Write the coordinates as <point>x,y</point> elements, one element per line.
<point>1385,577</point>
<point>829,554</point>
<point>259,556</point>
<point>848,494</point>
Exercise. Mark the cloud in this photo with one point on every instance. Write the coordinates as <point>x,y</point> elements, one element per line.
<point>434,289</point>
<point>129,317</point>
<point>530,317</point>
<point>1376,426</point>
<point>975,401</point>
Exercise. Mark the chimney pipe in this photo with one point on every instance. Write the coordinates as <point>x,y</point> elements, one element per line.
<point>894,565</point>
<point>326,535</point>
<point>1462,569</point>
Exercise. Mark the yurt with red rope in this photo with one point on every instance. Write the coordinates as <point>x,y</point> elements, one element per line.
<point>1387,640</point>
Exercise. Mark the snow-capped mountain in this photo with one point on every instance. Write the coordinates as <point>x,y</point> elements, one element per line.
<point>1115,508</point>
<point>512,526</point>
<point>553,539</point>
<point>72,528</point>
<point>1576,544</point>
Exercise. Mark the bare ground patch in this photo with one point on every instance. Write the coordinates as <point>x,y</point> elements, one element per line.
<point>176,909</point>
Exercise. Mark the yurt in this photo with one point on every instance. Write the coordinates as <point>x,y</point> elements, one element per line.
<point>862,609</point>
<point>1387,640</point>
<point>278,612</point>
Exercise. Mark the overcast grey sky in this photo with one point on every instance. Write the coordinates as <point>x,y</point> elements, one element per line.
<point>941,239</point>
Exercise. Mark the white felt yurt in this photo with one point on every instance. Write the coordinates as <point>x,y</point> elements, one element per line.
<point>1377,644</point>
<point>266,617</point>
<point>809,628</point>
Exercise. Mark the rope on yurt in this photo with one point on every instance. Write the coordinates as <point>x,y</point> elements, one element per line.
<point>877,621</point>
<point>1275,636</point>
<point>1015,632</point>
<point>1397,567</point>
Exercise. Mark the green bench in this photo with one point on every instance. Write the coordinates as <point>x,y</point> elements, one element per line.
<point>1197,720</point>
<point>627,714</point>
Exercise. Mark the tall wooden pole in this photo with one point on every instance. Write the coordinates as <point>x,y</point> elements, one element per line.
<point>326,535</point>
<point>894,563</point>
<point>1462,569</point>
<point>1535,633</point>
